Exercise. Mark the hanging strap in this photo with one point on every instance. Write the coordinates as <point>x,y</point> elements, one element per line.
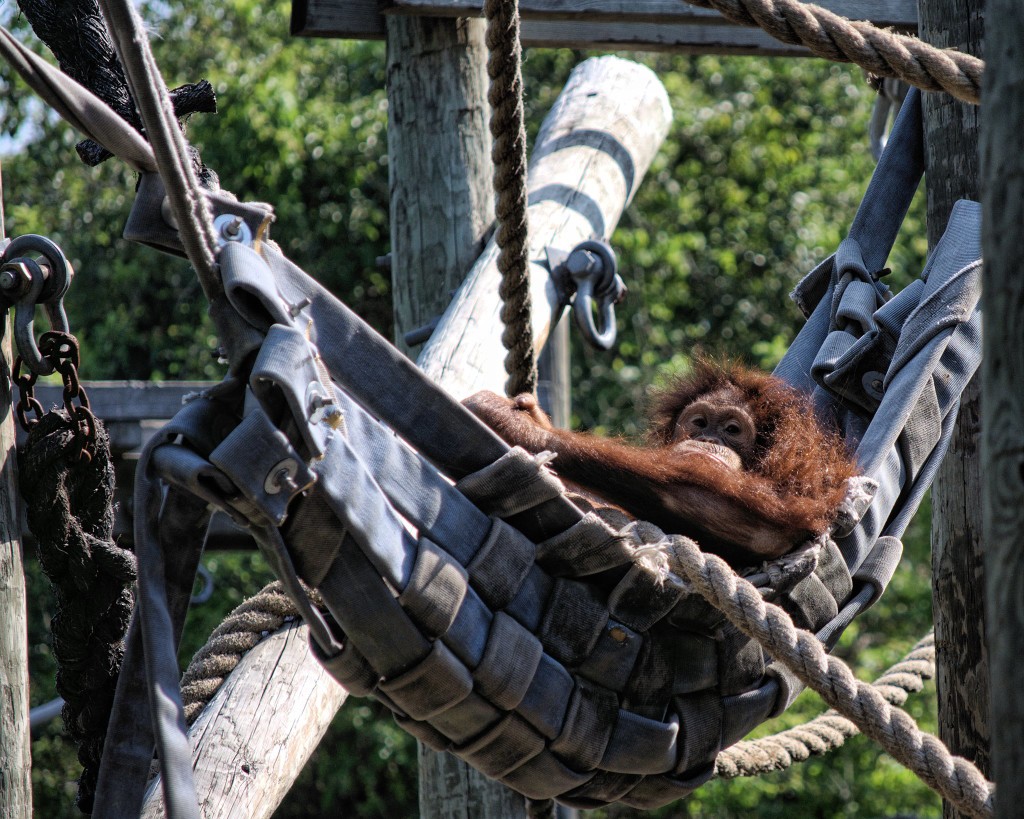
<point>872,233</point>
<point>890,370</point>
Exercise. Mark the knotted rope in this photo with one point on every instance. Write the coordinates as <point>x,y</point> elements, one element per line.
<point>71,516</point>
<point>829,731</point>
<point>77,36</point>
<point>877,51</point>
<point>952,777</point>
<point>508,152</point>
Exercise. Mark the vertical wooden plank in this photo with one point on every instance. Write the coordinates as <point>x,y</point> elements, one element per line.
<point>15,755</point>
<point>951,152</point>
<point>442,205</point>
<point>1002,164</point>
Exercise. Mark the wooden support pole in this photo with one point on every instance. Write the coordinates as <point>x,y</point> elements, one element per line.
<point>442,205</point>
<point>951,156</point>
<point>439,162</point>
<point>15,755</point>
<point>254,737</point>
<point>591,153</point>
<point>1002,165</point>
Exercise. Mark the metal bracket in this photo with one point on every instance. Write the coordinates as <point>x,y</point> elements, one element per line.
<point>586,277</point>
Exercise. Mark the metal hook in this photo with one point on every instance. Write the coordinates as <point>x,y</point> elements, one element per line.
<point>27,281</point>
<point>591,268</point>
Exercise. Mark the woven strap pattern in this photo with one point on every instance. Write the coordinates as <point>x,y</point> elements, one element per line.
<point>614,687</point>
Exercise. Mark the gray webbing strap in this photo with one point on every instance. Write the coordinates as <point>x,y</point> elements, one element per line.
<point>165,588</point>
<point>371,370</point>
<point>873,231</point>
<point>891,370</point>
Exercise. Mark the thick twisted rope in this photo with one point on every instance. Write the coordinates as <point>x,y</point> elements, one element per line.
<point>829,731</point>
<point>247,624</point>
<point>69,501</point>
<point>952,777</point>
<point>76,34</point>
<point>878,51</point>
<point>508,152</point>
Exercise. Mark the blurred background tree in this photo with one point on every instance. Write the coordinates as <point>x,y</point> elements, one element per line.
<point>757,181</point>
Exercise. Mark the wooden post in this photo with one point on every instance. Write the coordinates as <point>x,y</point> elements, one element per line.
<point>442,205</point>
<point>15,755</point>
<point>1002,164</point>
<point>255,736</point>
<point>951,154</point>
<point>439,162</point>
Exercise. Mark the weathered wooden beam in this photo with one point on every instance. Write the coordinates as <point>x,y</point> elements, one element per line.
<point>15,756</point>
<point>591,153</point>
<point>663,25</point>
<point>130,401</point>
<point>897,13</point>
<point>1002,186</point>
<point>958,577</point>
<point>257,732</point>
<point>677,39</point>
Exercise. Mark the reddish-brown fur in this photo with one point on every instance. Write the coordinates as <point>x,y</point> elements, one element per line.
<point>788,490</point>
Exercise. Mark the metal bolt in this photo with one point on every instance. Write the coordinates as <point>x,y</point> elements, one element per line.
<point>582,263</point>
<point>15,278</point>
<point>282,476</point>
<point>284,479</point>
<point>299,306</point>
<point>232,228</point>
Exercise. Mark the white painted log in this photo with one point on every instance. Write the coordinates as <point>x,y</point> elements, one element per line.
<point>591,153</point>
<point>256,734</point>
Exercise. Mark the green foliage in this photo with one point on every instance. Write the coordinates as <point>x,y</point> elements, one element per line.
<point>757,181</point>
<point>302,123</point>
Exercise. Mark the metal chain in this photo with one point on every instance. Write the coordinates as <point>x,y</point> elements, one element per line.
<point>61,351</point>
